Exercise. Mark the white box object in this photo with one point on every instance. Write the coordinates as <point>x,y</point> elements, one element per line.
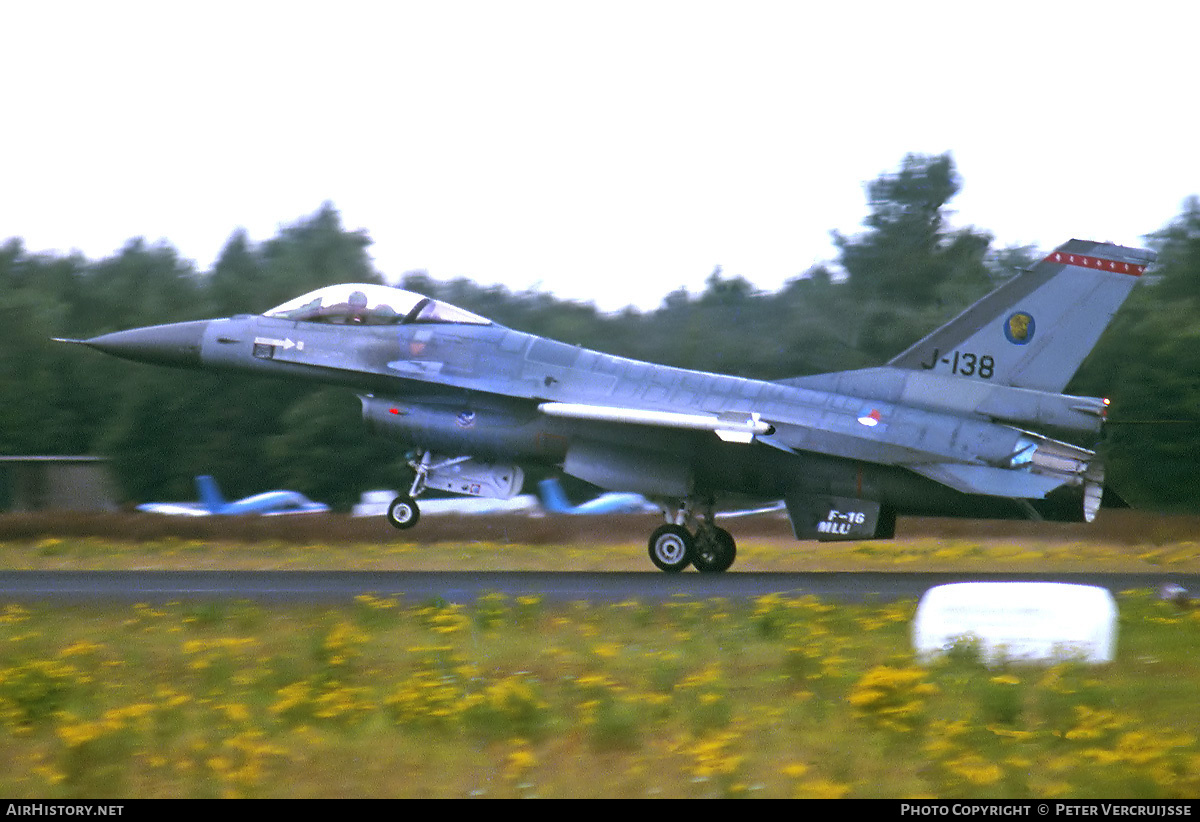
<point>1019,621</point>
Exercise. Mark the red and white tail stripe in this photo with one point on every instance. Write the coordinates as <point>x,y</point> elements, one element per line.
<point>1098,263</point>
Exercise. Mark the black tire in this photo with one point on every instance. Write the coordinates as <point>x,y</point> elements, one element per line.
<point>403,513</point>
<point>714,551</point>
<point>671,548</point>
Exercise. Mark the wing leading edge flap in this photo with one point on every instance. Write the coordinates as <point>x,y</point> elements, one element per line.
<point>731,426</point>
<point>993,482</point>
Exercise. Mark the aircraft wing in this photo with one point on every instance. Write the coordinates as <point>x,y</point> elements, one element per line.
<point>858,434</point>
<point>840,432</point>
<point>179,509</point>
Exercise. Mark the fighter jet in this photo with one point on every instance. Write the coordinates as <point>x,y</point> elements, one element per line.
<point>944,428</point>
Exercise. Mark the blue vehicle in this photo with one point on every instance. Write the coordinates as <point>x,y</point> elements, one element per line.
<point>213,503</point>
<point>555,501</point>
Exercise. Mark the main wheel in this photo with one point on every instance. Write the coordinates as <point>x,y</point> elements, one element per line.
<point>403,513</point>
<point>714,550</point>
<point>671,548</point>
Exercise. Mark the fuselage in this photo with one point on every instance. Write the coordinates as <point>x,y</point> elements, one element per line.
<point>476,388</point>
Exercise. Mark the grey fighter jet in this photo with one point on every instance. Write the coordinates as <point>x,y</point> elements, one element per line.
<point>944,428</point>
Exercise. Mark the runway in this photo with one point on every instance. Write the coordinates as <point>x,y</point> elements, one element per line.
<point>325,587</point>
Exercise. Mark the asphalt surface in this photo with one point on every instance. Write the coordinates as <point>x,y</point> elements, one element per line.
<point>298,587</point>
<point>1118,527</point>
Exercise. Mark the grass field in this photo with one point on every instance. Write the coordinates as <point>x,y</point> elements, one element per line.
<point>1119,541</point>
<point>775,697</point>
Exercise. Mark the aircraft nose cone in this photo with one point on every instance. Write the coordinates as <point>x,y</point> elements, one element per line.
<point>176,344</point>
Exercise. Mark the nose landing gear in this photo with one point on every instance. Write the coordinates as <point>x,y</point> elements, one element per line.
<point>404,513</point>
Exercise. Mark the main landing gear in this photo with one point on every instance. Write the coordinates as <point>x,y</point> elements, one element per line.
<point>684,540</point>
<point>709,548</point>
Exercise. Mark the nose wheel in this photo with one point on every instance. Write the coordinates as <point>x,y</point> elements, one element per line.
<point>403,513</point>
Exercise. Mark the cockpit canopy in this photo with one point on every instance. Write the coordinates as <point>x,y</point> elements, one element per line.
<point>367,304</point>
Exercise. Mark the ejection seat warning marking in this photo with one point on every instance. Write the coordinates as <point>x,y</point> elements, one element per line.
<point>286,344</point>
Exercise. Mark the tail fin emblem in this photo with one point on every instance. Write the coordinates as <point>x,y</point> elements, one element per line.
<point>1018,328</point>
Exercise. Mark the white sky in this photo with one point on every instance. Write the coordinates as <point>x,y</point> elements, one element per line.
<point>605,151</point>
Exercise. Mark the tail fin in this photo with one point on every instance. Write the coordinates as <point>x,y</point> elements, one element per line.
<point>210,494</point>
<point>1035,330</point>
<point>554,499</point>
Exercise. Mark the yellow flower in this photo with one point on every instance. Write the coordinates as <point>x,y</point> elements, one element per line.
<point>711,755</point>
<point>521,761</point>
<point>237,712</point>
<point>606,650</point>
<point>820,789</point>
<point>80,648</point>
<point>79,733</point>
<point>14,614</point>
<point>976,770</point>
<point>892,697</point>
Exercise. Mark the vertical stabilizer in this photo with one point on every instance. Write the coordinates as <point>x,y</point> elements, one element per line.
<point>210,494</point>
<point>1035,330</point>
<point>553,498</point>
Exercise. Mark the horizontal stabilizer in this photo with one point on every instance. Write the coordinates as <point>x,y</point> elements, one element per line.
<point>983,479</point>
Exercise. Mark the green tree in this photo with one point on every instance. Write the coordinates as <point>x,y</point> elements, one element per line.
<point>141,285</point>
<point>907,273</point>
<point>909,270</point>
<point>237,280</point>
<point>144,442</point>
<point>322,449</point>
<point>42,407</point>
<point>311,253</point>
<point>1148,365</point>
<point>1178,247</point>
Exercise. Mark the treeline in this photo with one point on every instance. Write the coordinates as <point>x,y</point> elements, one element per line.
<point>906,273</point>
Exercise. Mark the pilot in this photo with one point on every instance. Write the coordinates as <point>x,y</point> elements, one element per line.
<point>357,310</point>
<point>353,310</point>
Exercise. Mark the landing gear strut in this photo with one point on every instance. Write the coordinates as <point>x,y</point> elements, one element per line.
<point>710,549</point>
<point>404,513</point>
